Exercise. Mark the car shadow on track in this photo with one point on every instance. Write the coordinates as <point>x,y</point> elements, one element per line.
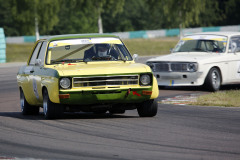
<point>75,115</point>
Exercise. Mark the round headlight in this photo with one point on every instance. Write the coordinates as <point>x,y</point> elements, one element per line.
<point>145,79</point>
<point>150,64</point>
<point>65,83</point>
<point>192,67</point>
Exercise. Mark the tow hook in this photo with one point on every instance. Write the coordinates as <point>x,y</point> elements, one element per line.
<point>128,92</point>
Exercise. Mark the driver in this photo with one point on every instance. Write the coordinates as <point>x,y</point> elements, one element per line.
<point>99,51</point>
<point>102,49</point>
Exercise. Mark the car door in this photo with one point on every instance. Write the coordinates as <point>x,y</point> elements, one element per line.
<point>38,73</point>
<point>234,60</point>
<point>29,73</point>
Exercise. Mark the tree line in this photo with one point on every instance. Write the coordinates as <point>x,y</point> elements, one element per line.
<point>53,17</point>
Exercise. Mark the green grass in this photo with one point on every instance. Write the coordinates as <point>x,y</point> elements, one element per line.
<point>18,52</point>
<point>142,47</point>
<point>222,98</point>
<point>149,47</point>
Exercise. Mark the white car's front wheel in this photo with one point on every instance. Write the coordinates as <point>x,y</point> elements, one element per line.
<point>213,80</point>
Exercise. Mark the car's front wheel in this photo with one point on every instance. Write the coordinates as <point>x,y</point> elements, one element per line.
<point>50,109</point>
<point>213,80</point>
<point>148,108</point>
<point>26,108</point>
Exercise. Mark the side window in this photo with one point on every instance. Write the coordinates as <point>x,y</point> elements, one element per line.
<point>42,52</point>
<point>35,53</point>
<point>234,44</point>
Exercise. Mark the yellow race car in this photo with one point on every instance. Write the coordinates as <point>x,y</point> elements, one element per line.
<point>88,73</point>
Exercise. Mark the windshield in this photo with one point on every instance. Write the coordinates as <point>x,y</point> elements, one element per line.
<point>86,50</point>
<point>202,43</point>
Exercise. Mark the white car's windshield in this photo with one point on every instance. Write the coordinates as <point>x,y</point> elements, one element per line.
<point>202,43</point>
<point>86,50</point>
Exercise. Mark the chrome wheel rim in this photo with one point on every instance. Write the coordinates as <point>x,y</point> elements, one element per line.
<point>45,107</point>
<point>215,79</point>
<point>22,102</point>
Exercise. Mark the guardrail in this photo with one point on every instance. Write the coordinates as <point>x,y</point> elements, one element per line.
<point>143,34</point>
<point>2,46</point>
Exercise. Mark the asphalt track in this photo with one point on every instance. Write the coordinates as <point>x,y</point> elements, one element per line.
<point>176,133</point>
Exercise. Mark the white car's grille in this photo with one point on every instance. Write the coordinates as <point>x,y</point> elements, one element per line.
<point>161,67</point>
<point>170,67</point>
<point>105,81</point>
<point>178,67</point>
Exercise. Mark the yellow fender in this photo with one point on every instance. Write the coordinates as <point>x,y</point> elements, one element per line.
<point>155,91</point>
<point>51,83</point>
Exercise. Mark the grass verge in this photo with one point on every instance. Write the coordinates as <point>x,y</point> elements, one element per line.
<point>222,98</point>
<point>18,52</point>
<point>142,47</point>
<point>149,47</point>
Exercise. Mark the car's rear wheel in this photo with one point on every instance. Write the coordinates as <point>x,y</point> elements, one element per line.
<point>213,80</point>
<point>148,108</point>
<point>51,110</point>
<point>26,108</point>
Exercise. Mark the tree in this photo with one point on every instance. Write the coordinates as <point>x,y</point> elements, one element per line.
<point>135,16</point>
<point>76,16</point>
<point>107,6</point>
<point>232,12</point>
<point>212,15</point>
<point>25,11</point>
<point>6,20</point>
<point>175,12</point>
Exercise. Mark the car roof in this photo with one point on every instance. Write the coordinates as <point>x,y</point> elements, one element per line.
<point>228,34</point>
<point>73,36</point>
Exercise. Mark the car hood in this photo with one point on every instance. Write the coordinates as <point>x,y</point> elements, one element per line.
<point>187,57</point>
<point>101,69</point>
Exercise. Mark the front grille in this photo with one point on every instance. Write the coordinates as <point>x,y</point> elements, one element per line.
<point>105,81</point>
<point>170,67</point>
<point>161,67</point>
<point>179,67</point>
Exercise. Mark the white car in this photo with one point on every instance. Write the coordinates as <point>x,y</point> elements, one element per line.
<point>211,59</point>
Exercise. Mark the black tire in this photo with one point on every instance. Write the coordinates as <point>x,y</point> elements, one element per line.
<point>51,110</point>
<point>26,108</point>
<point>213,80</point>
<point>148,108</point>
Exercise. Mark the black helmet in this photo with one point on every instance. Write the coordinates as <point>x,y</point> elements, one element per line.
<point>103,46</point>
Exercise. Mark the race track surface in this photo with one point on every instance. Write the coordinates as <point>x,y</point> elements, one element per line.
<point>177,132</point>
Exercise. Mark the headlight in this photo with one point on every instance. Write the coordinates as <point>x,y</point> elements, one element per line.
<point>151,65</point>
<point>65,83</point>
<point>145,79</point>
<point>192,67</point>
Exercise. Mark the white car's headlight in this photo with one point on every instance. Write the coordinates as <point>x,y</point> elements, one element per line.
<point>145,79</point>
<point>65,83</point>
<point>151,65</point>
<point>192,67</point>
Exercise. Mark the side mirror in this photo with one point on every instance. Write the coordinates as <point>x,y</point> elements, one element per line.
<point>38,62</point>
<point>135,57</point>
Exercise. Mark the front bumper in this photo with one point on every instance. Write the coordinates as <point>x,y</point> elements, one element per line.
<point>179,78</point>
<point>87,97</point>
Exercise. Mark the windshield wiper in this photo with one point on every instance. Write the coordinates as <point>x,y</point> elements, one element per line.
<point>63,61</point>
